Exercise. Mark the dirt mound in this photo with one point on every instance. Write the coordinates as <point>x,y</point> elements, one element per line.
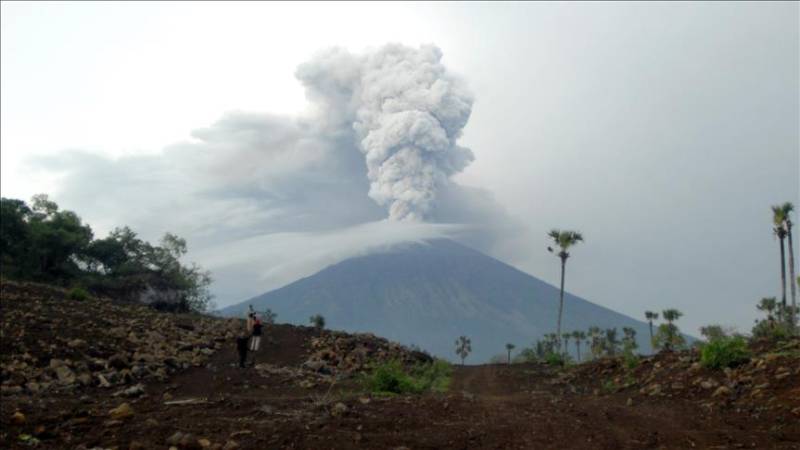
<point>342,353</point>
<point>767,385</point>
<point>51,342</point>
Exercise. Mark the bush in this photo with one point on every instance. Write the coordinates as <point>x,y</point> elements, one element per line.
<point>77,293</point>
<point>773,331</point>
<point>554,359</point>
<point>724,352</point>
<point>630,360</point>
<point>390,377</point>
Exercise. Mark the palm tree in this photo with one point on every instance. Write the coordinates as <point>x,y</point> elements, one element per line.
<point>594,337</point>
<point>566,337</point>
<point>611,341</point>
<point>778,219</point>
<point>564,240</point>
<point>629,340</point>
<point>768,305</point>
<point>651,316</point>
<point>509,347</point>
<point>551,342</point>
<point>671,336</point>
<point>787,208</point>
<point>463,347</point>
<point>578,336</point>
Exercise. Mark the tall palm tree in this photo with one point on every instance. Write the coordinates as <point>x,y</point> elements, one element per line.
<point>787,208</point>
<point>564,240</point>
<point>509,347</point>
<point>651,316</point>
<point>778,219</point>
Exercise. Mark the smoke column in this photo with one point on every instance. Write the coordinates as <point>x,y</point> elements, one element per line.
<point>407,113</point>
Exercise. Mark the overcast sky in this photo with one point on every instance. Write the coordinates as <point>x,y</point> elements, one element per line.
<point>663,132</point>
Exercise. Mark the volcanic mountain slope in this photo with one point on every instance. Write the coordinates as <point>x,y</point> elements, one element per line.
<point>429,293</point>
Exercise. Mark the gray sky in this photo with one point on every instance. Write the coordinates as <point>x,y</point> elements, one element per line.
<point>662,131</point>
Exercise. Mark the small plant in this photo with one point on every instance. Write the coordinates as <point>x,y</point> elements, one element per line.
<point>317,321</point>
<point>610,386</point>
<point>555,359</point>
<point>724,352</point>
<point>77,293</point>
<point>630,360</point>
<point>392,378</point>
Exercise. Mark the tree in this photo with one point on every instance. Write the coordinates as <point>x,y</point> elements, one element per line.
<point>611,343</point>
<point>269,316</point>
<point>768,305</point>
<point>509,347</point>
<point>651,316</point>
<point>14,236</point>
<point>566,337</point>
<point>787,209</point>
<point>668,336</point>
<point>463,348</point>
<point>713,332</point>
<point>578,336</point>
<point>629,344</point>
<point>317,321</point>
<point>563,240</point>
<point>525,355</point>
<point>778,220</point>
<point>596,345</point>
<point>769,327</point>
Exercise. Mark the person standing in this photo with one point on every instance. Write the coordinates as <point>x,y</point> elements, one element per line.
<point>255,339</point>
<point>241,347</point>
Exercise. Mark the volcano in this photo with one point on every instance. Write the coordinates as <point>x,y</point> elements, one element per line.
<point>429,293</point>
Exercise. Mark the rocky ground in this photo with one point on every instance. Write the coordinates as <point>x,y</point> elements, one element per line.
<point>96,374</point>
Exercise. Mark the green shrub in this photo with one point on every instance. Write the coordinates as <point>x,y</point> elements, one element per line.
<point>630,360</point>
<point>724,352</point>
<point>434,376</point>
<point>554,359</point>
<point>392,378</point>
<point>77,293</point>
<point>773,331</point>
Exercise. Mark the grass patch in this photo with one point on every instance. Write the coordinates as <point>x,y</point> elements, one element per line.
<point>77,293</point>
<point>724,352</point>
<point>392,378</point>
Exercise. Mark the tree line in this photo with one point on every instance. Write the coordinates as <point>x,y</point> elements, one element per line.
<point>40,242</point>
<point>781,319</point>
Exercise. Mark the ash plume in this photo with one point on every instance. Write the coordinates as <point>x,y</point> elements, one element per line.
<point>407,112</point>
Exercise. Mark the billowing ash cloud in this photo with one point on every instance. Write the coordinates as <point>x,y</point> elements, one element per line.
<point>407,112</point>
<point>263,199</point>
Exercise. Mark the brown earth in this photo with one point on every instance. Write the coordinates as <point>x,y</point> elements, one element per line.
<point>667,401</point>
